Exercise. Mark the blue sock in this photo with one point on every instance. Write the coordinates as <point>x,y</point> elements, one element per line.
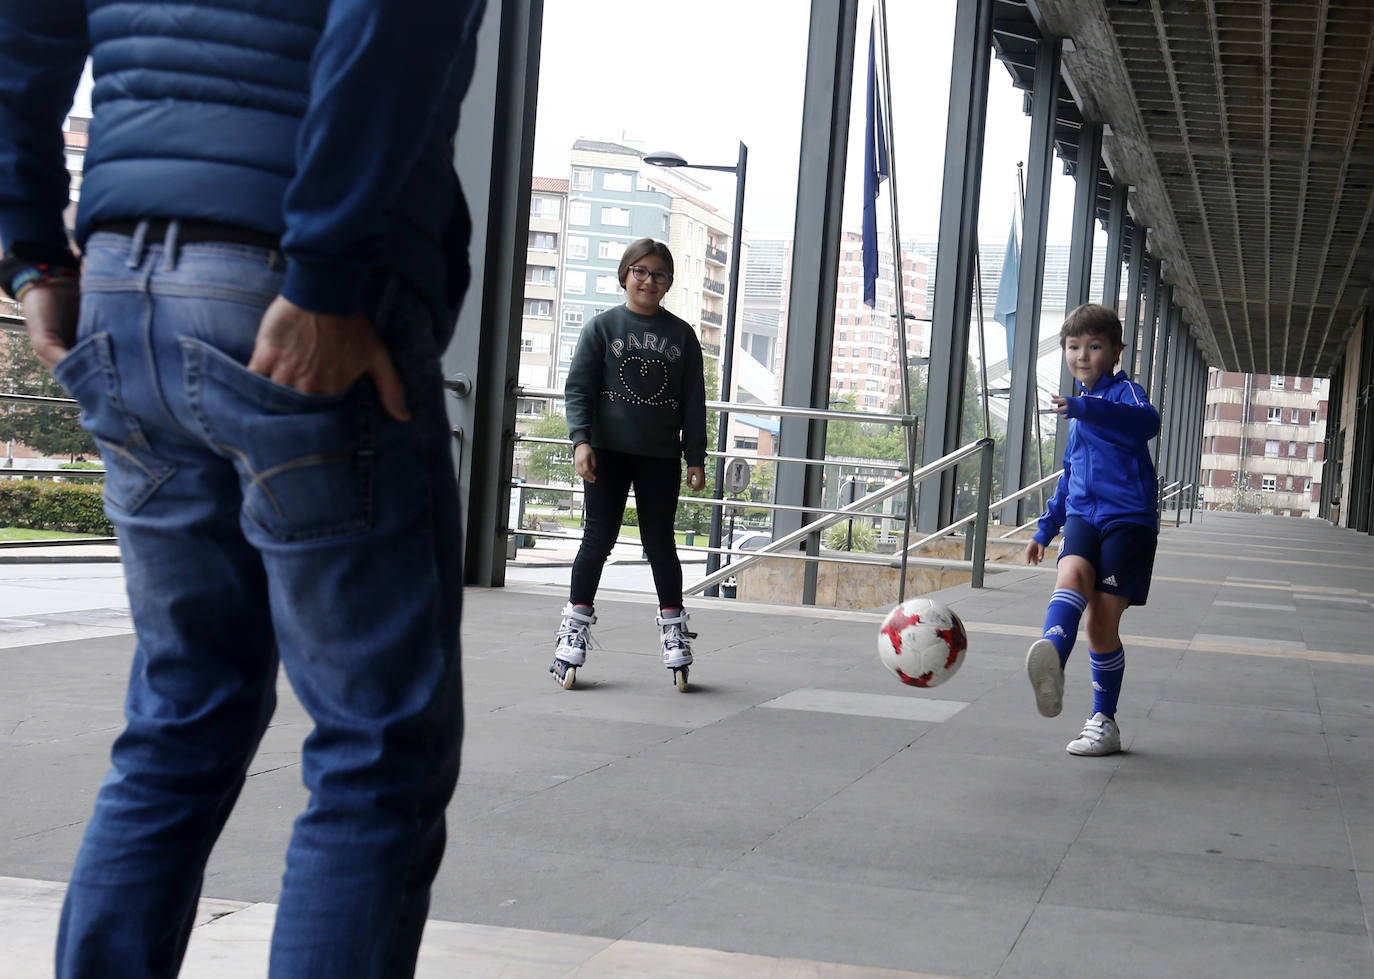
<point>1108,669</point>
<point>1061,620</point>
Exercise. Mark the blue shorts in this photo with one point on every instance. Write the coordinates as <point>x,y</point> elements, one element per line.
<point>1122,554</point>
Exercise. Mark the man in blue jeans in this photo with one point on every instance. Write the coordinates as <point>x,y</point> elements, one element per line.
<point>273,250</point>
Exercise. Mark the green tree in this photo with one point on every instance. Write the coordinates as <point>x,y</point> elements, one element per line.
<point>696,517</point>
<point>50,430</point>
<point>548,463</point>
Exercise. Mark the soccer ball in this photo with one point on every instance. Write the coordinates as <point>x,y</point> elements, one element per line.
<point>922,643</point>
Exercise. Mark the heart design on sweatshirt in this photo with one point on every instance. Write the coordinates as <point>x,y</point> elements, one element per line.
<point>643,382</point>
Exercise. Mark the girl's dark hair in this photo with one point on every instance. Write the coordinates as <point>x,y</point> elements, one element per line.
<point>1092,318</point>
<point>637,250</point>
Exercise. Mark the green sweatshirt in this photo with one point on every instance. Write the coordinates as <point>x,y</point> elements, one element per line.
<point>636,386</point>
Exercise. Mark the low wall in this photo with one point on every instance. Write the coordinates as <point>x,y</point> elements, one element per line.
<point>867,586</point>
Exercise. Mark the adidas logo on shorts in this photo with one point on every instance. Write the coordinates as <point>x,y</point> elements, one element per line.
<point>1110,580</point>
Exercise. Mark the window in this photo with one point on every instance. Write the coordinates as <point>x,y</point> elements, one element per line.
<point>545,208</point>
<point>1296,416</point>
<point>1314,417</point>
<point>1292,448</point>
<point>539,309</point>
<point>607,285</point>
<point>572,318</point>
<point>577,247</point>
<point>1288,482</point>
<point>609,249</point>
<point>1275,416</point>
<point>575,283</point>
<point>616,216</point>
<point>581,178</point>
<point>535,343</point>
<point>1271,448</point>
<point>618,180</point>
<point>540,275</point>
<point>1276,383</point>
<point>580,212</point>
<point>1307,486</point>
<point>544,241</point>
<point>1269,483</point>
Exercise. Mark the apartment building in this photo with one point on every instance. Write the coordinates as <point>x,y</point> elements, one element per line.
<point>543,274</point>
<point>1263,443</point>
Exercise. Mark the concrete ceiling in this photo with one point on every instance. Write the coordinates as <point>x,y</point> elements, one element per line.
<point>1245,132</point>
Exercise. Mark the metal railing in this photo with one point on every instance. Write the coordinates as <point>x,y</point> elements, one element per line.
<point>905,481</point>
<point>15,324</point>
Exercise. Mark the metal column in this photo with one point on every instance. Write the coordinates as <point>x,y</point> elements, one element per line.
<point>494,159</point>
<point>1111,270</point>
<point>1021,446</point>
<point>1156,299</point>
<point>956,253</point>
<point>815,264</point>
<point>1130,334</point>
<point>1080,252</point>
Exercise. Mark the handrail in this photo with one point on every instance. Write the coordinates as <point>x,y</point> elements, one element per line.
<point>858,505</point>
<point>908,480</point>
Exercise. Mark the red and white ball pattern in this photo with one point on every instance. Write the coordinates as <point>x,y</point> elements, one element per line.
<point>922,643</point>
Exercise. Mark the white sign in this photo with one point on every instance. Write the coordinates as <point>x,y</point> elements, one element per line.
<point>737,475</point>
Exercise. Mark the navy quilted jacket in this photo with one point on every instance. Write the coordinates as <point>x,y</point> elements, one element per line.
<point>328,122</point>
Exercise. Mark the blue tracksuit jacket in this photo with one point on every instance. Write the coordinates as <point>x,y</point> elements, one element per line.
<point>1108,473</point>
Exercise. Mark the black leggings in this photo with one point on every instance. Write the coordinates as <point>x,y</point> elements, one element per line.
<point>655,483</point>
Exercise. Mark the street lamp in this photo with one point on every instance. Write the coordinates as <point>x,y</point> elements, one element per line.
<point>727,359</point>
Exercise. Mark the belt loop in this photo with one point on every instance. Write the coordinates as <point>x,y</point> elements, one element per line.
<point>135,258</point>
<point>170,243</point>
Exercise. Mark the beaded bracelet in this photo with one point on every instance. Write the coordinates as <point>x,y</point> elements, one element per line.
<point>42,274</point>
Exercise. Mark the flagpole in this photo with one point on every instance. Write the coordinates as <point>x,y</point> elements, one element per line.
<point>982,342</point>
<point>898,271</point>
<point>1035,358</point>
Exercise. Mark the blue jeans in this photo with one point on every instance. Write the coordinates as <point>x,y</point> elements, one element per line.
<point>258,525</point>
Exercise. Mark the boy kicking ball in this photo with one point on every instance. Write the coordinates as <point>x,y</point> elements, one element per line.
<point>1107,506</point>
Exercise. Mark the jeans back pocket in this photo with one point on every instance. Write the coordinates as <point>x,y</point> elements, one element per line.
<point>305,461</point>
<point>133,471</point>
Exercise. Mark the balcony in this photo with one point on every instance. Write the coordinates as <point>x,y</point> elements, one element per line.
<point>716,255</point>
<point>715,319</point>
<point>713,287</point>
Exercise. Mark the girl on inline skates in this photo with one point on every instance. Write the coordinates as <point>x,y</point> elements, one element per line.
<point>636,407</point>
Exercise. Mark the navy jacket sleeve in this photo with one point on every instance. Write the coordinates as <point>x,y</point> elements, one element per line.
<point>377,76</point>
<point>43,48</point>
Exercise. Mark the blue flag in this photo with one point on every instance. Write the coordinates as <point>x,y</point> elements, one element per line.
<point>1005,310</point>
<point>875,170</point>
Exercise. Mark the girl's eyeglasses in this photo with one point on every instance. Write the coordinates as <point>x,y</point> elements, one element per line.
<point>660,277</point>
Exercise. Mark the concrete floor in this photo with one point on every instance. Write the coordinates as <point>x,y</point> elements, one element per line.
<point>799,812</point>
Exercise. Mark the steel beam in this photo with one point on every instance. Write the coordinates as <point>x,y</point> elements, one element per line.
<point>494,159</point>
<point>956,253</point>
<point>1021,447</point>
<point>815,265</point>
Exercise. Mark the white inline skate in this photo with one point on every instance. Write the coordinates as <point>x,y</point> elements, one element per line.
<point>570,648</point>
<point>677,643</point>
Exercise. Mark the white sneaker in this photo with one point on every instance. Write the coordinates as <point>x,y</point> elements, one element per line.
<point>1046,677</point>
<point>1100,736</point>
